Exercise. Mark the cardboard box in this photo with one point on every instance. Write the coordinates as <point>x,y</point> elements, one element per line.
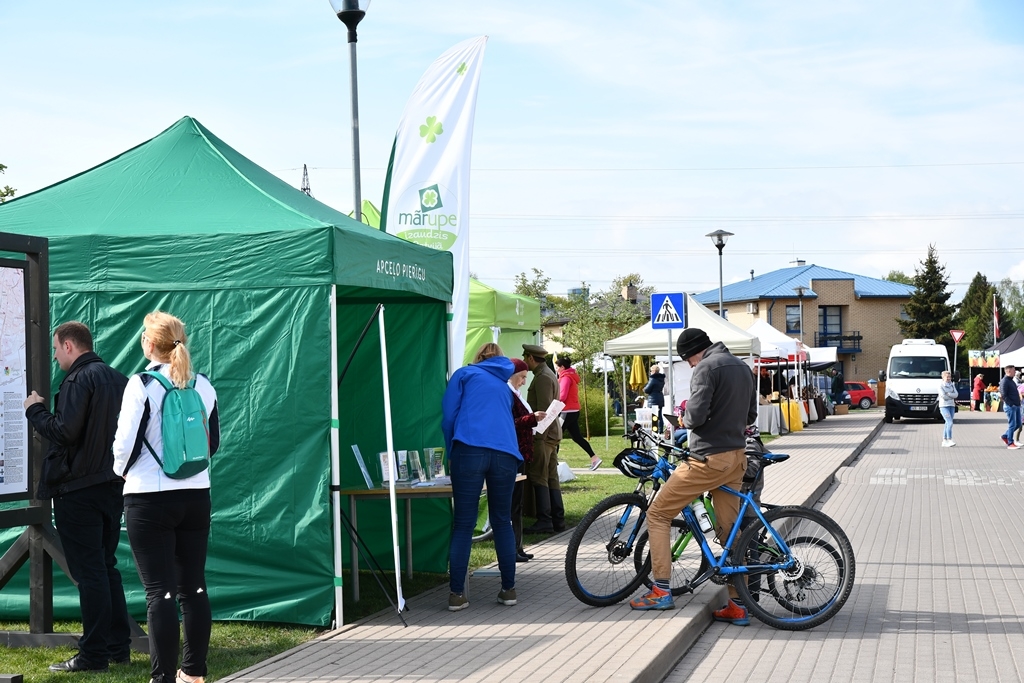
<point>842,409</point>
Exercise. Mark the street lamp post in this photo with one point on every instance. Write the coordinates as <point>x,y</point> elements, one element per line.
<point>351,12</point>
<point>719,238</point>
<point>800,289</point>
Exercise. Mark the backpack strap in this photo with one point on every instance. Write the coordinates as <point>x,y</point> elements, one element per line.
<point>140,437</point>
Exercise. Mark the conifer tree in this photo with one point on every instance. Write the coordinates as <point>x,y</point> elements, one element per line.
<point>930,316</point>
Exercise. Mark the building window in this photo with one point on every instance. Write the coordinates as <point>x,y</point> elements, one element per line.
<point>792,320</point>
<point>830,325</point>
<point>903,313</point>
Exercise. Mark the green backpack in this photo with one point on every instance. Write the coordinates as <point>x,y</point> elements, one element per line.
<point>185,430</point>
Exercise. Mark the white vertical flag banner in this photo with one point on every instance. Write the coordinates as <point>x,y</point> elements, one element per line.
<point>426,195</point>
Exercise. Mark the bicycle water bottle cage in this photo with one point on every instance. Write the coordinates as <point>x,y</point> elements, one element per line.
<point>634,463</point>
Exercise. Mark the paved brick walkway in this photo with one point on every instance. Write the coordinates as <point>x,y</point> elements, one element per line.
<point>940,568</point>
<point>549,635</point>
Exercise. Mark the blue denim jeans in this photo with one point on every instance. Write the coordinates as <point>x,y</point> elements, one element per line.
<point>947,415</point>
<point>1012,420</point>
<point>470,467</point>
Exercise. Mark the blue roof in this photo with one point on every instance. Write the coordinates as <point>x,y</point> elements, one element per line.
<point>779,284</point>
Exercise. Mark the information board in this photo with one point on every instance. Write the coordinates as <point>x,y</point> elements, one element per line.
<point>13,382</point>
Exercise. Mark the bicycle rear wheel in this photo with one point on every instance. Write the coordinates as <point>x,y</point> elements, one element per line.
<point>812,591</point>
<point>688,562</point>
<point>599,566</point>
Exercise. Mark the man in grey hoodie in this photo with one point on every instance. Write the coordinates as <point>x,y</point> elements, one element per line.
<point>722,403</point>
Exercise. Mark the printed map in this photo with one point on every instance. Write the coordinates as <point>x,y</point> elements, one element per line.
<point>13,384</point>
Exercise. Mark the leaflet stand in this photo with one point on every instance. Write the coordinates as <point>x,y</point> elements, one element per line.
<point>39,544</point>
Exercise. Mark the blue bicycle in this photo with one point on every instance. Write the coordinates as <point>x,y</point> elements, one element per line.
<point>792,566</point>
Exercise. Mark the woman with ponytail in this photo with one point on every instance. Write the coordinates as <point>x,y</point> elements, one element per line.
<point>168,519</point>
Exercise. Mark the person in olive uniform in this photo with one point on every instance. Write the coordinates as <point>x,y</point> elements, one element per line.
<point>542,471</point>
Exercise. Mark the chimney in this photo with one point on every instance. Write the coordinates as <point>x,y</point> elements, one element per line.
<point>798,262</point>
<point>751,274</point>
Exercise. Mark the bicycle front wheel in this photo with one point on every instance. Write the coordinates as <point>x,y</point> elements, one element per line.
<point>688,561</point>
<point>599,566</point>
<point>815,588</point>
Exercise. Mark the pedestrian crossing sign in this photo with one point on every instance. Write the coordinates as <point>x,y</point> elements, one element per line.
<point>667,312</point>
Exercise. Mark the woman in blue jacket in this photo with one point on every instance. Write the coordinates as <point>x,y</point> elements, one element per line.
<point>480,438</point>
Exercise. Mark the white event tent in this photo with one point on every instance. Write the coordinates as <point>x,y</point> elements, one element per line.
<point>646,341</point>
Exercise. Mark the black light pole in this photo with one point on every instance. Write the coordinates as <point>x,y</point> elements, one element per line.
<point>351,12</point>
<point>719,238</point>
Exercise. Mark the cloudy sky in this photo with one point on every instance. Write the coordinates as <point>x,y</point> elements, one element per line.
<point>611,137</point>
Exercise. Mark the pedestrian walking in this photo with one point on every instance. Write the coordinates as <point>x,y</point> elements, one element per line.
<point>1011,406</point>
<point>947,406</point>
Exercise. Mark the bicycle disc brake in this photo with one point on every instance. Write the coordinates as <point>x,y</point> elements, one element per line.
<point>619,552</point>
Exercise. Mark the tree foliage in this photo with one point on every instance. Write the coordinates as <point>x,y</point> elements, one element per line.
<point>899,276</point>
<point>536,286</point>
<point>6,192</point>
<point>596,318</point>
<point>551,306</point>
<point>1011,307</point>
<point>930,316</point>
<point>975,316</point>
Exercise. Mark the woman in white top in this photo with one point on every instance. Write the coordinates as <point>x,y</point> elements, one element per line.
<point>168,519</point>
<point>947,406</point>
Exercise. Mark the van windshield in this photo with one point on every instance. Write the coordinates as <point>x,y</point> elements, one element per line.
<point>917,368</point>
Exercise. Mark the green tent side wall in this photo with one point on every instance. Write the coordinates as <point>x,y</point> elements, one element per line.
<point>516,317</point>
<point>129,237</point>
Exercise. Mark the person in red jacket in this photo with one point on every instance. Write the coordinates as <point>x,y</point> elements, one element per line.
<point>568,393</point>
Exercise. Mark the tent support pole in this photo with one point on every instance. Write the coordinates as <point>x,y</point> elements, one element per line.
<point>604,366</point>
<point>392,456</point>
<point>671,375</point>
<point>335,464</point>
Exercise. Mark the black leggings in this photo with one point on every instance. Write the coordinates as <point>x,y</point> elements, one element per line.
<point>571,424</point>
<point>169,532</point>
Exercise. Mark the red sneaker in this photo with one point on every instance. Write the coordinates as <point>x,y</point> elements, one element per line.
<point>732,613</point>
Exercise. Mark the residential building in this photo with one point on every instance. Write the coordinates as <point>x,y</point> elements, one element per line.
<point>854,313</point>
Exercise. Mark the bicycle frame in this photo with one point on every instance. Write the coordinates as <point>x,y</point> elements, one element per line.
<point>716,564</point>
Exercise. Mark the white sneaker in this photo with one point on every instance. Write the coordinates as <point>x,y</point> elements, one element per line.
<point>952,443</point>
<point>946,444</point>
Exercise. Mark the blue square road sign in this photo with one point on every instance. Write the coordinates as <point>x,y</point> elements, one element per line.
<point>667,312</point>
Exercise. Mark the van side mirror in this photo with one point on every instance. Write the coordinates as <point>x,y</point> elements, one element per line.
<point>881,375</point>
<point>956,376</point>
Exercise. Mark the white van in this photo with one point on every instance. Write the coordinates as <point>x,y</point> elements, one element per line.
<point>913,378</point>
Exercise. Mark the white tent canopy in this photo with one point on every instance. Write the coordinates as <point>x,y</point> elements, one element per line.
<point>646,341</point>
<point>771,336</point>
<point>1014,358</point>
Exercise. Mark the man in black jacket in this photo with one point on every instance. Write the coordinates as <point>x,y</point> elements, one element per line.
<point>78,473</point>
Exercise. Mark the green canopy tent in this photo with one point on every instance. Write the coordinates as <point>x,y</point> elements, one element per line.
<point>185,224</point>
<point>495,316</point>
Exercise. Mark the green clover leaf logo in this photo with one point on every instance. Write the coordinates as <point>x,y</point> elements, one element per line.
<point>462,69</point>
<point>431,130</point>
<point>429,199</point>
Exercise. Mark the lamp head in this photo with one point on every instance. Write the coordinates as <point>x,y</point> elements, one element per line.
<point>719,238</point>
<point>350,12</point>
<point>800,289</point>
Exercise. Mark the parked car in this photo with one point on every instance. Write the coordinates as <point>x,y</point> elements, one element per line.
<point>963,392</point>
<point>861,394</point>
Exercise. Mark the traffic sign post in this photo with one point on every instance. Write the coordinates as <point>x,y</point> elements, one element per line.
<point>957,335</point>
<point>668,313</point>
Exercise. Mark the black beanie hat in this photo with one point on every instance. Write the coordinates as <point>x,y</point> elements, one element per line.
<point>692,341</point>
